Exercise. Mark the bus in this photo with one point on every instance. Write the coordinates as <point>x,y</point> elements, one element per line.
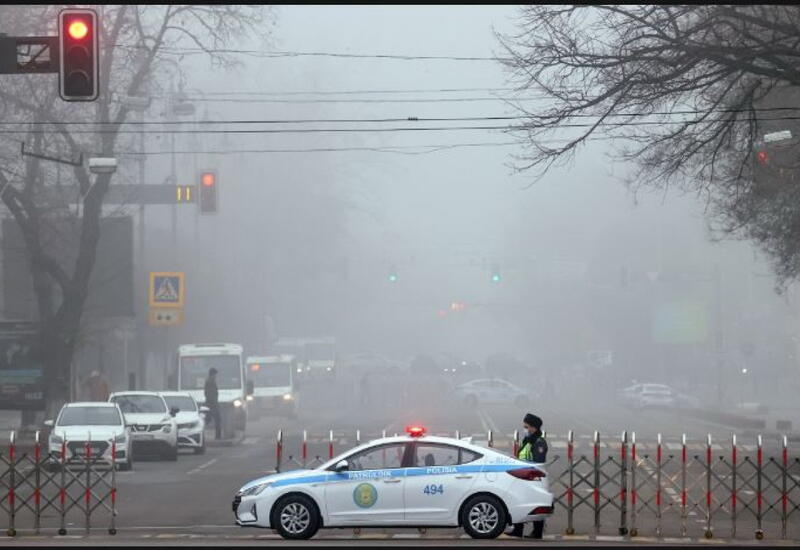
<point>274,388</point>
<point>194,362</point>
<point>316,356</point>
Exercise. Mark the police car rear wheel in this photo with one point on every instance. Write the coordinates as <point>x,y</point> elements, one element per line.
<point>296,517</point>
<point>483,517</point>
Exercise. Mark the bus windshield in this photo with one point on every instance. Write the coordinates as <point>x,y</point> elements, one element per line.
<point>194,371</point>
<point>321,351</point>
<point>268,375</point>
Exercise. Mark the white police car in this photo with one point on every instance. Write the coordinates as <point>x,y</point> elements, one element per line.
<point>407,481</point>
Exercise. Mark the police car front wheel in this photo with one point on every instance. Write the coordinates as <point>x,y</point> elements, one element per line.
<point>295,517</point>
<point>483,517</point>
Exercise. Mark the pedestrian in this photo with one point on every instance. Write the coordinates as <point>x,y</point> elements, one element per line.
<point>212,401</point>
<point>96,387</point>
<point>533,449</point>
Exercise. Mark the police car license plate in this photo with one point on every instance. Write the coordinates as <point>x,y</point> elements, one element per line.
<point>142,436</point>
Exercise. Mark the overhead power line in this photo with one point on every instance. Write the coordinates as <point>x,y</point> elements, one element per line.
<point>396,119</point>
<point>284,53</point>
<point>389,129</point>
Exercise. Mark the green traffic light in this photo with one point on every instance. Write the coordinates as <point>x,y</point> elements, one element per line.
<point>496,278</point>
<point>392,278</point>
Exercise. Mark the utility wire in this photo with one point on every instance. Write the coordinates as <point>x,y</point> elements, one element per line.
<point>396,119</point>
<point>279,53</point>
<point>392,129</point>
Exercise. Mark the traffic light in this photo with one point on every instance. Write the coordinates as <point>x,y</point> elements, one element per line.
<point>79,67</point>
<point>392,275</point>
<point>208,192</point>
<point>184,193</point>
<point>495,275</point>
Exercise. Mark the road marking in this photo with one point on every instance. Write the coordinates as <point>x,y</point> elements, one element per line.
<point>202,466</point>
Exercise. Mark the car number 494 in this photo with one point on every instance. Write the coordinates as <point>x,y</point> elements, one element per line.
<point>433,489</point>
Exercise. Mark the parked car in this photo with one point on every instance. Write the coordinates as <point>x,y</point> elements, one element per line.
<point>101,425</point>
<point>190,419</point>
<point>491,391</point>
<point>151,422</point>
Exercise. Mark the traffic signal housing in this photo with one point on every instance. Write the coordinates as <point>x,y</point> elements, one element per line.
<point>208,192</point>
<point>79,63</point>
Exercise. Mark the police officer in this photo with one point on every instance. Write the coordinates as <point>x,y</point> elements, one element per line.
<point>533,449</point>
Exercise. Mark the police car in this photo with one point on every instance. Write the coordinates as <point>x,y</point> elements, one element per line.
<point>406,481</point>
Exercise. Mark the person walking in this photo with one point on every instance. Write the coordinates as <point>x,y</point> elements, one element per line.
<point>212,402</point>
<point>533,449</point>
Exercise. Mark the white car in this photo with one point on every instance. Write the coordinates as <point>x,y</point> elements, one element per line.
<point>407,481</point>
<point>191,423</point>
<point>100,424</point>
<point>152,425</point>
<point>491,391</point>
<point>648,395</point>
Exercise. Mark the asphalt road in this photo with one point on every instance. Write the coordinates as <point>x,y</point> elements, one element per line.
<point>188,501</point>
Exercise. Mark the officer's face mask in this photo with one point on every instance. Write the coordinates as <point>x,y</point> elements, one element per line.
<point>530,429</point>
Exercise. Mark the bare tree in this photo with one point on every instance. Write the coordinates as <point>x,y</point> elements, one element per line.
<point>134,42</point>
<point>683,91</point>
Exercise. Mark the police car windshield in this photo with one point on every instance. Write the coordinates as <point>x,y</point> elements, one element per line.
<point>194,371</point>
<point>183,403</point>
<point>140,403</point>
<point>89,416</point>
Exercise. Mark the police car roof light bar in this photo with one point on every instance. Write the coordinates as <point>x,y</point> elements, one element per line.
<point>415,431</point>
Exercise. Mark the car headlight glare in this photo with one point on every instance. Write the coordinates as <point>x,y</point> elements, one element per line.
<point>237,402</point>
<point>255,489</point>
<point>249,398</point>
<point>287,397</point>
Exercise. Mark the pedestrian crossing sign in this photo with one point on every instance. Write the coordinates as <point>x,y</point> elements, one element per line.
<point>166,289</point>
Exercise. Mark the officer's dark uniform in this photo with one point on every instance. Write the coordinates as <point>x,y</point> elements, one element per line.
<point>532,449</point>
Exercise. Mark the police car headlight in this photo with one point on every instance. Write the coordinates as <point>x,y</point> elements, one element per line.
<point>56,439</point>
<point>287,397</point>
<point>167,429</point>
<point>237,402</point>
<point>255,489</point>
<point>249,398</point>
<point>120,438</point>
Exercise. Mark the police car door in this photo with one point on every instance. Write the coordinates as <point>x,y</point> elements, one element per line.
<point>437,481</point>
<point>371,490</point>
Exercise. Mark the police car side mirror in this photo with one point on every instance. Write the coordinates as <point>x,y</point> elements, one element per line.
<point>173,411</point>
<point>341,466</point>
<point>48,423</point>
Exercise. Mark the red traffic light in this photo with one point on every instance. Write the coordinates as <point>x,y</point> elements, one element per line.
<point>208,179</point>
<point>78,29</point>
<point>78,64</point>
<point>208,192</point>
<point>762,157</point>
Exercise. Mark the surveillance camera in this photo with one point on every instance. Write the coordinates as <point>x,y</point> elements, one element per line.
<point>102,165</point>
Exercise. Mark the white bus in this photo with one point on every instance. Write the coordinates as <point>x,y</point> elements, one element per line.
<point>274,388</point>
<point>194,362</point>
<point>316,356</point>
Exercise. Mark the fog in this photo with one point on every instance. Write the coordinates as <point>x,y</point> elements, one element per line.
<point>304,242</point>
